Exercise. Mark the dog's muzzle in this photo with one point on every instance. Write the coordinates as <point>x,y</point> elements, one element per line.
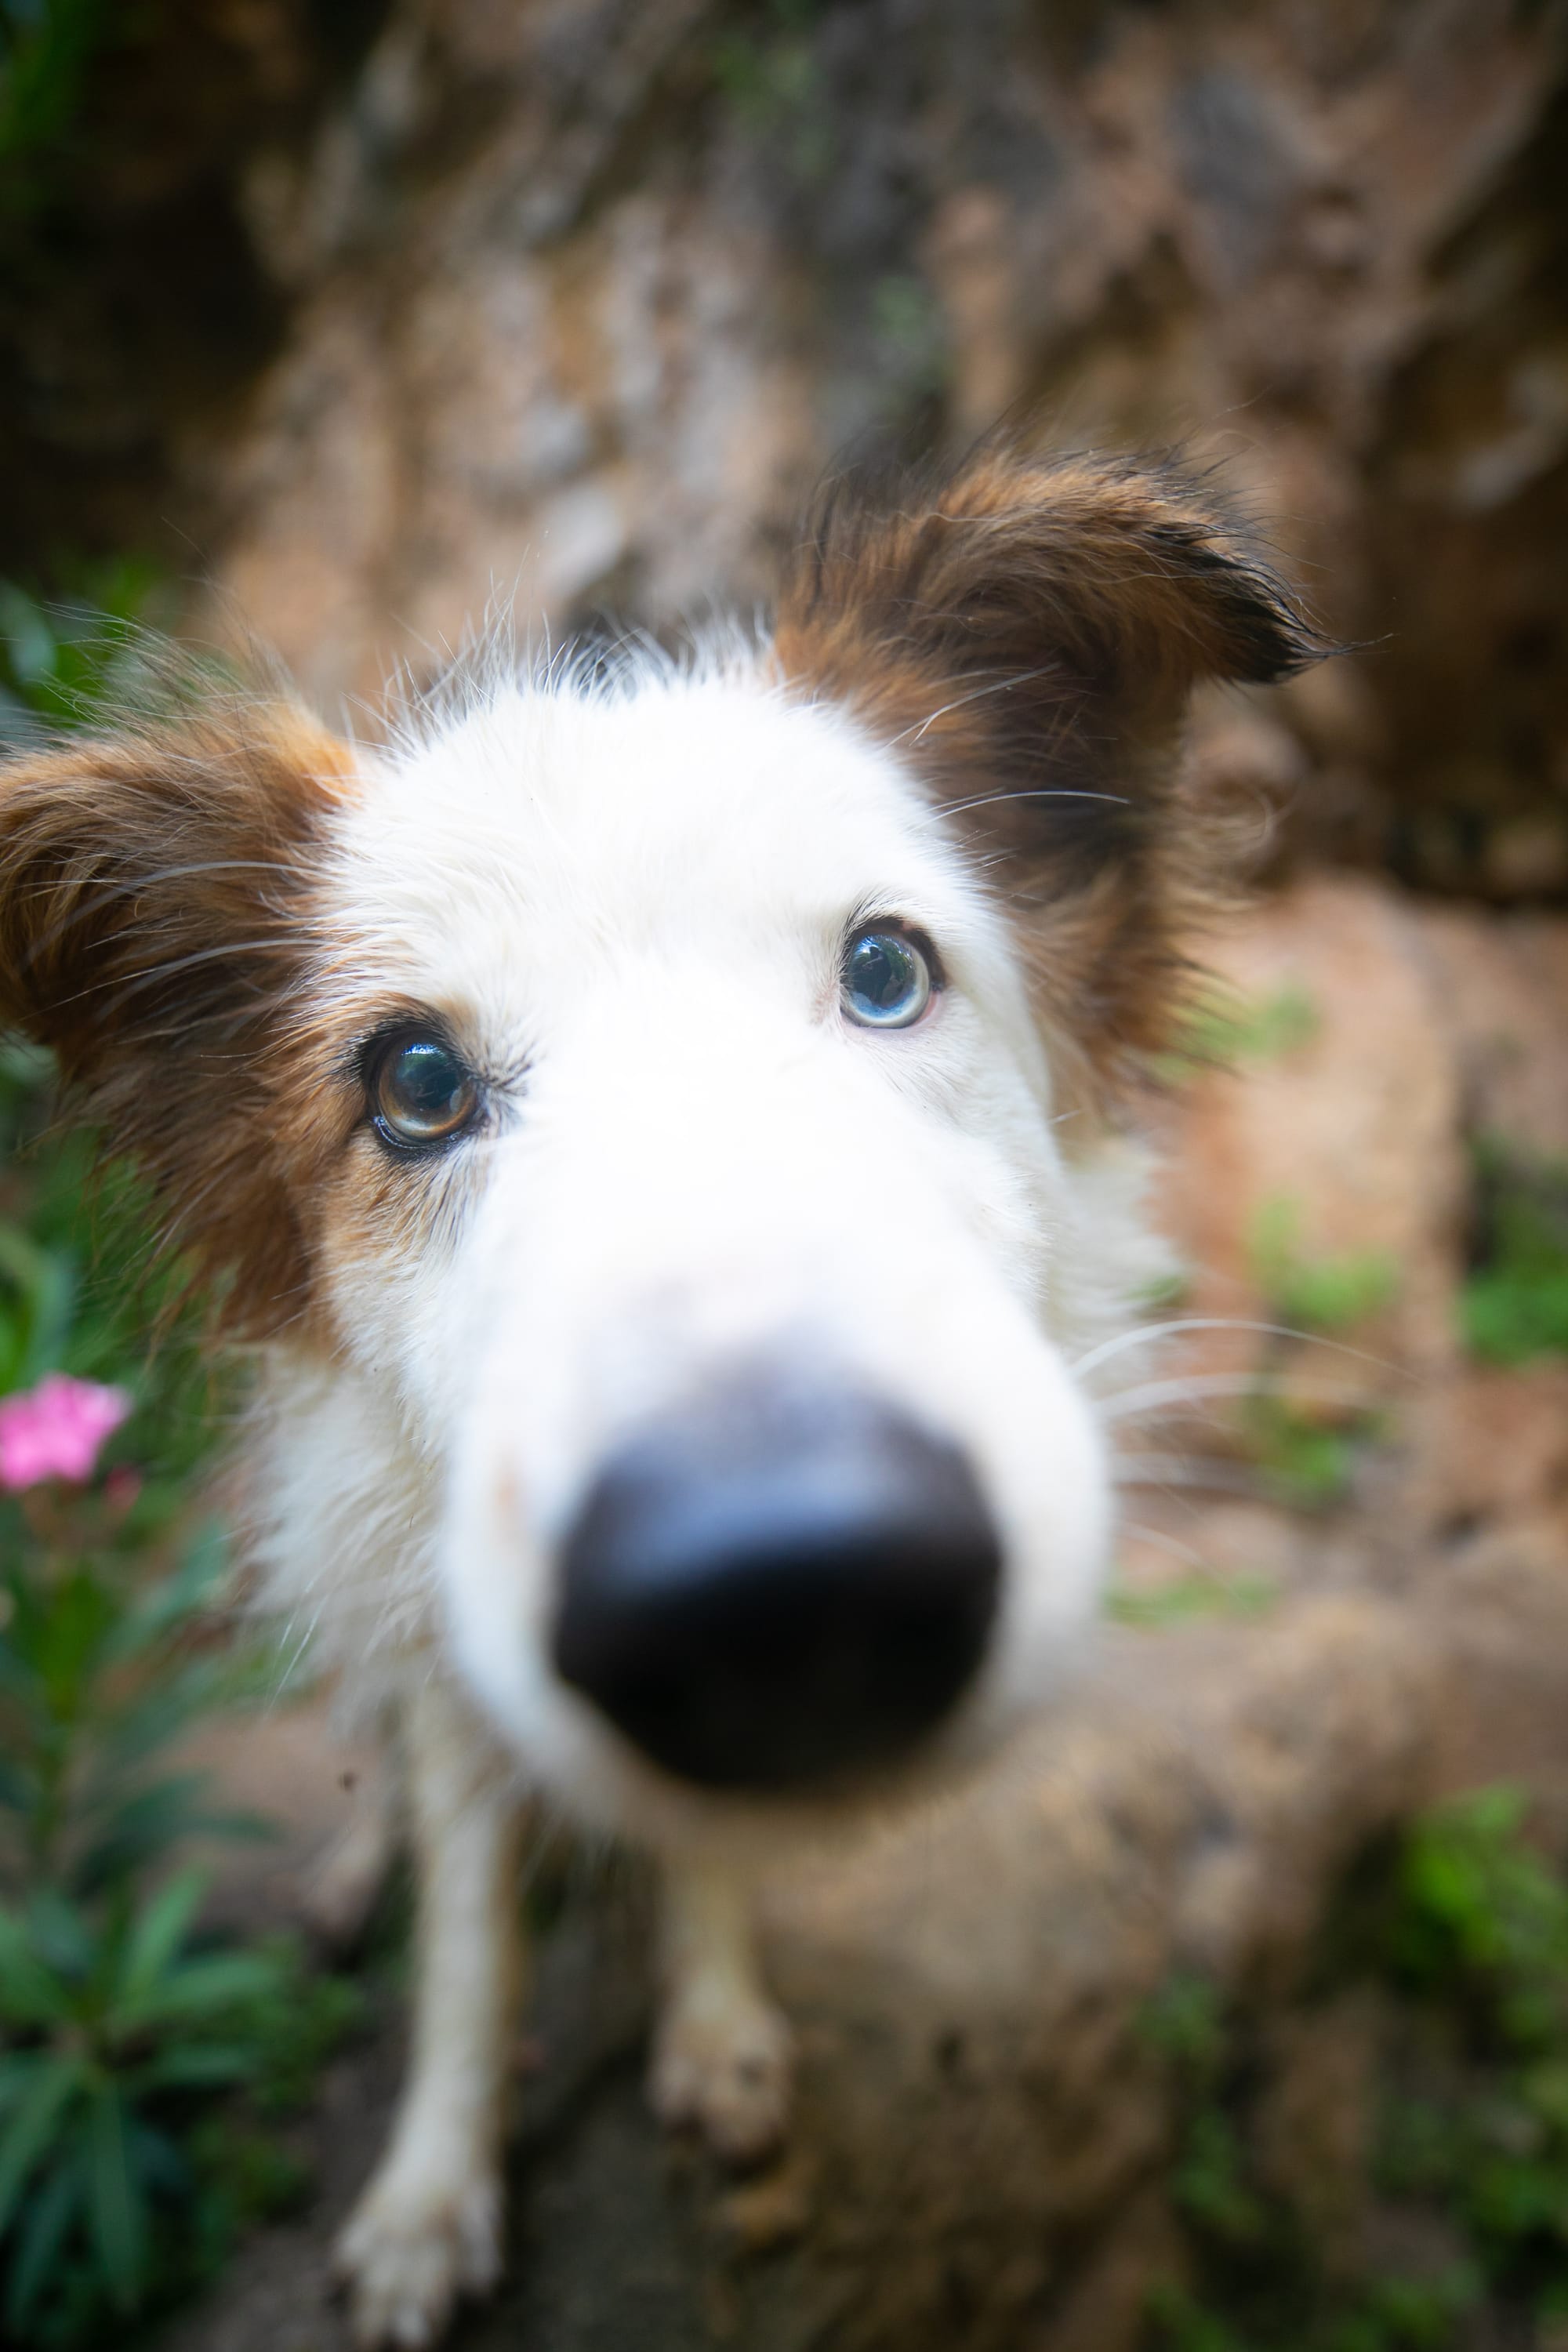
<point>777,1586</point>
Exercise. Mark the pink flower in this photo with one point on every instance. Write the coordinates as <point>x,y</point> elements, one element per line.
<point>55,1430</point>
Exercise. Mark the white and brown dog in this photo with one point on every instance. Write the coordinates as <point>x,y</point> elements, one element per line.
<point>654,1121</point>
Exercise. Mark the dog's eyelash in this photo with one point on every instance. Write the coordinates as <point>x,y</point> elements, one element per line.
<point>875,915</point>
<point>356,1062</point>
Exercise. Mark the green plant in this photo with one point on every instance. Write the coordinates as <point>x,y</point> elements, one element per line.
<point>1458,1938</point>
<point>1184,2022</point>
<point>1479,1907</point>
<point>1479,1940</point>
<point>1182,2324</point>
<point>98,1676</point>
<point>769,72</point>
<point>46,50</point>
<point>80,1291</point>
<point>1514,1305</point>
<point>1323,1293</point>
<point>910,328</point>
<point>142,2061</point>
<point>1189,1599</point>
<point>1221,1031</point>
<point>61,659</point>
<point>112,2021</point>
<point>1407,2315</point>
<point>1307,1459</point>
<point>127,2036</point>
<point>1163,1294</point>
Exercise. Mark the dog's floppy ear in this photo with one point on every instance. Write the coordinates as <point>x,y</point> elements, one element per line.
<point>154,890</point>
<point>1026,635</point>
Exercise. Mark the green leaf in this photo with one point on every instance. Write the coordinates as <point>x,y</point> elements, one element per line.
<point>172,1699</point>
<point>62,1938</point>
<point>18,1677</point>
<point>34,2125</point>
<point>30,1994</point>
<point>162,2162</point>
<point>117,2205</point>
<point>151,1818</point>
<point>46,1282</point>
<point>39,2240</point>
<point>197,2066</point>
<point>28,640</point>
<point>158,1933</point>
<point>46,60</point>
<point>72,1631</point>
<point>160,1817</point>
<point>189,1593</point>
<point>18,2068</point>
<point>1514,1306</point>
<point>202,1989</point>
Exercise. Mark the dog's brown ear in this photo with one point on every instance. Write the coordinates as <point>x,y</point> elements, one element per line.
<point>155,894</point>
<point>1026,635</point>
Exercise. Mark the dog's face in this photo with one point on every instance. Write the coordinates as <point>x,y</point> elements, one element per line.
<point>702,1220</point>
<point>653,1100</point>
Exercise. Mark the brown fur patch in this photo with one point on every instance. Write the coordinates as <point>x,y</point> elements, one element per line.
<point>1025,635</point>
<point>361,1209</point>
<point>156,896</point>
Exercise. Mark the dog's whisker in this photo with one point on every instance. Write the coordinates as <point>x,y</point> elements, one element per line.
<point>1146,1334</point>
<point>999,684</point>
<point>1186,1470</point>
<point>1163,1541</point>
<point>126,985</point>
<point>1044,792</point>
<point>1160,1395</point>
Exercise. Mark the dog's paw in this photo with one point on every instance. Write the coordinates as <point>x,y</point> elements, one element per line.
<point>415,2242</point>
<point>726,2068</point>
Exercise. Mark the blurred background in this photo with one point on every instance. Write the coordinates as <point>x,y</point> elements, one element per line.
<point>1232,2018</point>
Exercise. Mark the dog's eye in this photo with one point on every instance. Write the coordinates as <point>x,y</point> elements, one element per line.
<point>420,1091</point>
<point>887,982</point>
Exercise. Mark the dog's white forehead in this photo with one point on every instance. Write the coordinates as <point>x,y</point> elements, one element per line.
<point>679,816</point>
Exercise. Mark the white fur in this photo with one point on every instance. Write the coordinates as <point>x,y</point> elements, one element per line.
<point>629,902</point>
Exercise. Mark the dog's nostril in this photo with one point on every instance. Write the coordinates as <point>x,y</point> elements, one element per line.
<point>776,1588</point>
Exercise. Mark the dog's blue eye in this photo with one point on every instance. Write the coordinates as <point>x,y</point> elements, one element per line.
<point>887,981</point>
<point>420,1092</point>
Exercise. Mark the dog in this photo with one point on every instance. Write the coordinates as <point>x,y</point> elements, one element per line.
<point>655,1122</point>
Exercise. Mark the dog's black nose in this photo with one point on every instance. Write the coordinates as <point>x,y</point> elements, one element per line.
<point>777,1587</point>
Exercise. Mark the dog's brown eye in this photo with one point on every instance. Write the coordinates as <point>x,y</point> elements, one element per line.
<point>420,1092</point>
<point>887,982</point>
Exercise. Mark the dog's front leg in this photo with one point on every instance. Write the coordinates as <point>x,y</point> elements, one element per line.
<point>428,2229</point>
<point>722,2056</point>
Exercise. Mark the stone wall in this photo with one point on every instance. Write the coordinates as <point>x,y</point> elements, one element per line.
<point>374,312</point>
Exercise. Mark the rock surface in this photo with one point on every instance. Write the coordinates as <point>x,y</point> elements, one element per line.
<point>367,311</point>
<point>977,2152</point>
<point>1334,1132</point>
